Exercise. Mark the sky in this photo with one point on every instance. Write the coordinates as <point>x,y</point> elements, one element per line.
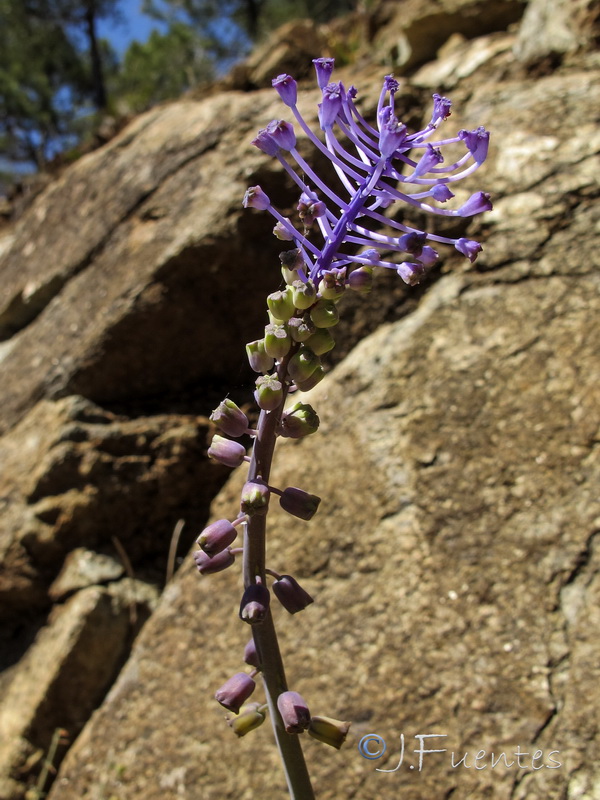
<point>135,26</point>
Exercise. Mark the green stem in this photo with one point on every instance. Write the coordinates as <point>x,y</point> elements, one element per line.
<point>265,637</point>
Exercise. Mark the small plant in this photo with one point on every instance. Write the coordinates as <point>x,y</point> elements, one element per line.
<point>333,246</point>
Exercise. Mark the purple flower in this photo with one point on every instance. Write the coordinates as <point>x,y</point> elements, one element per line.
<point>290,594</point>
<point>294,712</point>
<point>234,692</point>
<point>216,537</point>
<point>376,167</point>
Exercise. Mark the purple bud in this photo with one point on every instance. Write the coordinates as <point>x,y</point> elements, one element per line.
<point>390,84</point>
<point>255,603</point>
<point>207,565</point>
<point>412,242</point>
<point>256,198</point>
<point>324,68</point>
<point>257,356</point>
<point>361,279</point>
<point>287,89</point>
<point>468,248</point>
<point>441,193</point>
<point>227,452</point>
<point>269,392</point>
<point>430,158</point>
<point>291,259</point>
<point>428,256</point>
<point>282,133</point>
<point>265,142</point>
<point>476,204</point>
<point>298,421</point>
<point>477,142</point>
<point>255,498</point>
<point>251,654</point>
<point>309,209</point>
<point>331,105</point>
<point>391,132</point>
<point>282,232</point>
<point>234,692</point>
<point>294,712</point>
<point>299,503</point>
<point>291,595</point>
<point>216,537</point>
<point>441,109</point>
<point>411,272</point>
<point>229,418</point>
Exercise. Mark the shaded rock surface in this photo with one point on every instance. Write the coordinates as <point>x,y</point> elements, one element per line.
<point>454,558</point>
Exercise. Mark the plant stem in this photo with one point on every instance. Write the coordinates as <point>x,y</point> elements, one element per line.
<point>265,637</point>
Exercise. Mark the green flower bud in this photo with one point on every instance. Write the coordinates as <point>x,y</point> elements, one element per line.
<point>269,392</point>
<point>301,328</point>
<point>277,341</point>
<point>298,421</point>
<point>303,294</point>
<point>257,356</point>
<point>328,730</point>
<point>281,304</point>
<point>321,342</point>
<point>324,314</point>
<point>315,378</point>
<point>302,364</point>
<point>251,716</point>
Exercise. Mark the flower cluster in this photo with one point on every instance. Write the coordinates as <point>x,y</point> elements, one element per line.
<point>376,166</point>
<point>387,164</point>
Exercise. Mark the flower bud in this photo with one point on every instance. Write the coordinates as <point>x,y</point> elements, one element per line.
<point>302,364</point>
<point>283,232</point>
<point>251,716</point>
<point>299,503</point>
<point>315,378</point>
<point>332,285</point>
<point>256,198</point>
<point>216,537</point>
<point>255,603</point>
<point>255,498</point>
<point>207,565</point>
<point>251,654</point>
<point>294,712</point>
<point>281,304</point>
<point>287,89</point>
<point>277,341</point>
<point>291,595</point>
<point>303,294</point>
<point>269,392</point>
<point>411,272</point>
<point>226,452</point>
<point>257,356</point>
<point>297,421</point>
<point>328,730</point>
<point>229,418</point>
<point>321,342</point>
<point>234,692</point>
<point>301,328</point>
<point>361,280</point>
<point>324,314</point>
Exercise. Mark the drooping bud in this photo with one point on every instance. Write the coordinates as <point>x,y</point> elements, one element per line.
<point>281,304</point>
<point>328,730</point>
<point>361,280</point>
<point>251,716</point>
<point>303,295</point>
<point>332,285</point>
<point>331,105</point>
<point>324,68</point>
<point>234,692</point>
<point>299,503</point>
<point>226,452</point>
<point>251,654</point>
<point>287,89</point>
<point>269,392</point>
<point>309,209</point>
<point>301,328</point>
<point>302,364</point>
<point>255,603</point>
<point>298,421</point>
<point>476,204</point>
<point>291,595</point>
<point>256,198</point>
<point>229,418</point>
<point>411,272</point>
<point>208,565</point>
<point>468,248</point>
<point>321,341</point>
<point>277,341</point>
<point>316,377</point>
<point>255,498</point>
<point>258,358</point>
<point>324,314</point>
<point>282,133</point>
<point>282,232</point>
<point>294,712</point>
<point>291,262</point>
<point>217,536</point>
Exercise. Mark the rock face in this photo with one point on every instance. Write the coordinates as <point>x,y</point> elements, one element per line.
<point>454,559</point>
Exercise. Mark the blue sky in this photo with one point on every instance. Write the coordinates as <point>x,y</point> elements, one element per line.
<point>135,25</point>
